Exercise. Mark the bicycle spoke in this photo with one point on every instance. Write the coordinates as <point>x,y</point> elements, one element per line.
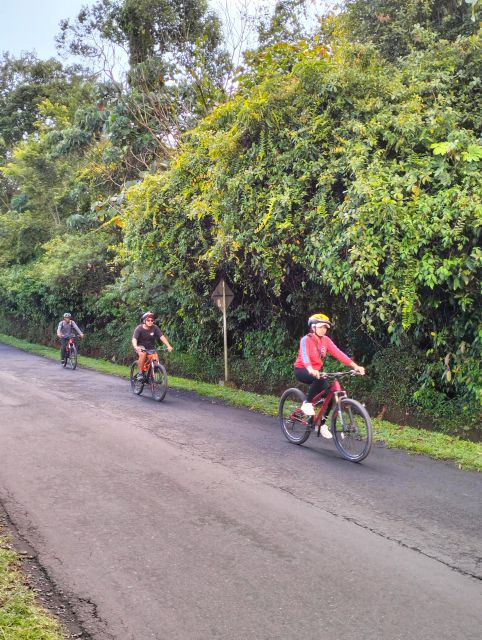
<point>136,385</point>
<point>158,382</point>
<point>73,357</point>
<point>352,430</point>
<point>294,424</point>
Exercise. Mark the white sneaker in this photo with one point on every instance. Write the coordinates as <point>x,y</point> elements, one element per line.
<point>325,432</point>
<point>308,409</point>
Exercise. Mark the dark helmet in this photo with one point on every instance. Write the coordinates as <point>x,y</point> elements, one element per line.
<point>146,315</point>
<point>67,315</point>
<point>319,318</point>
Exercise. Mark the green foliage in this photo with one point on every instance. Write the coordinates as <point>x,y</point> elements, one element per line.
<point>25,83</point>
<point>144,28</point>
<point>68,275</point>
<point>284,23</point>
<point>391,24</point>
<point>326,183</point>
<point>178,66</point>
<point>21,237</point>
<point>20,617</point>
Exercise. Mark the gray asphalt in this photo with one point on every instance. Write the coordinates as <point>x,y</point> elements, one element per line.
<point>193,520</point>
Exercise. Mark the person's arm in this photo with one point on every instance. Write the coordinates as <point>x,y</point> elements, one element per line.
<point>358,368</point>
<point>134,340</point>
<point>59,335</point>
<point>306,350</point>
<point>76,328</point>
<point>165,341</point>
<point>163,338</point>
<point>333,350</point>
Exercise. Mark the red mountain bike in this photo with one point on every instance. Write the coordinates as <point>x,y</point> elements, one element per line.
<point>350,423</point>
<point>155,376</point>
<point>71,354</point>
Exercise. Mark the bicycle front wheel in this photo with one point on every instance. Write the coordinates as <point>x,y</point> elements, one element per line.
<point>294,424</point>
<point>158,382</point>
<point>352,430</point>
<point>73,356</point>
<point>136,385</point>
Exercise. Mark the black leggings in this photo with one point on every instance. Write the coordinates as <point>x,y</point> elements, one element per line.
<point>316,386</point>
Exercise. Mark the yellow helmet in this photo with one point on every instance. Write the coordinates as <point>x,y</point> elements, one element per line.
<point>319,318</point>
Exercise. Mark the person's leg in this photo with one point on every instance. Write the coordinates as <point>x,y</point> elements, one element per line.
<point>315,385</point>
<point>63,345</point>
<point>302,375</point>
<point>141,361</point>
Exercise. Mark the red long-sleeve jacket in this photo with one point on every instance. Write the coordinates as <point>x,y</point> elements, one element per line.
<point>313,350</point>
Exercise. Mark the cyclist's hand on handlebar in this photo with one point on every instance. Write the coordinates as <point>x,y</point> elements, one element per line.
<point>359,370</point>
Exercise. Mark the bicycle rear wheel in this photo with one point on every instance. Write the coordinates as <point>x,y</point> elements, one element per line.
<point>73,356</point>
<point>158,382</point>
<point>294,424</point>
<point>136,385</point>
<point>352,430</point>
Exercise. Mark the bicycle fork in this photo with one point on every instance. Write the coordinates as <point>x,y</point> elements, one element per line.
<point>339,395</point>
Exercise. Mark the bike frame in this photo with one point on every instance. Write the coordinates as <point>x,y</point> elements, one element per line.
<point>151,360</point>
<point>154,375</point>
<point>335,391</point>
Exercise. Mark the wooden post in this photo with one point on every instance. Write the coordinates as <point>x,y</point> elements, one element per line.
<point>222,297</point>
<point>225,330</point>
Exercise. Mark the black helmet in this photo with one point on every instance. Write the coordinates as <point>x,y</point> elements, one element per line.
<point>146,315</point>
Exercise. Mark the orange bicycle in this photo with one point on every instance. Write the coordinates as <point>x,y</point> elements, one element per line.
<point>154,375</point>
<point>350,424</point>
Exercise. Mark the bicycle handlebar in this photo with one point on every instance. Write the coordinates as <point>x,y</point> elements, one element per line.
<point>340,374</point>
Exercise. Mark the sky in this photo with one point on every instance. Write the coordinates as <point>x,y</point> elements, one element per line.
<point>27,25</point>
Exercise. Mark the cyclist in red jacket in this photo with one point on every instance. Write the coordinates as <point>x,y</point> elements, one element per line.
<point>313,349</point>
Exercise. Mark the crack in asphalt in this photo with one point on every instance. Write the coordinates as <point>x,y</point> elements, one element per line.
<point>220,460</point>
<point>382,535</point>
<point>94,613</point>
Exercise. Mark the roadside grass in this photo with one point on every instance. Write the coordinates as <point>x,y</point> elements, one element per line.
<point>465,454</point>
<point>20,617</point>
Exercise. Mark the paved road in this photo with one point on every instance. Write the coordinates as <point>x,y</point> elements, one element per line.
<point>191,520</point>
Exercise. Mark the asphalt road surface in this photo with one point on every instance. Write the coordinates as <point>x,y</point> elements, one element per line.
<point>192,520</point>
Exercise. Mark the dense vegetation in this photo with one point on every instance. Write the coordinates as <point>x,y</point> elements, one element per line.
<point>337,171</point>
